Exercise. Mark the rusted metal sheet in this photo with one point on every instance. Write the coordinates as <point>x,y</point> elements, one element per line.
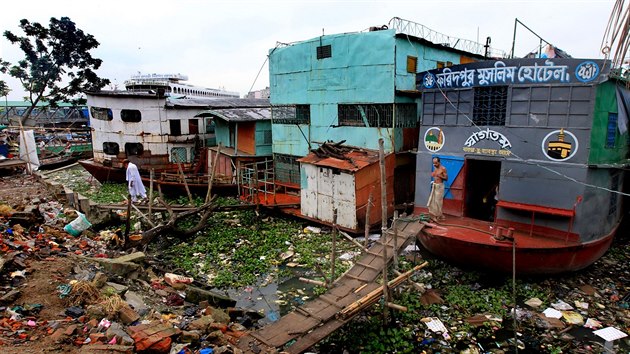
<point>246,137</point>
<point>344,185</point>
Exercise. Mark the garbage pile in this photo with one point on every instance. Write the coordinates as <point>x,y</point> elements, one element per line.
<point>93,298</point>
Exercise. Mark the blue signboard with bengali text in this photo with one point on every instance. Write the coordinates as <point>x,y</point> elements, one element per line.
<point>515,72</point>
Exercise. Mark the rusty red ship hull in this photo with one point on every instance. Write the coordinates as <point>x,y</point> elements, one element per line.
<point>475,243</point>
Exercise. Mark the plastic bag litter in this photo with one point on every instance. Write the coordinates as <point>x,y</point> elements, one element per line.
<point>78,225</point>
<point>312,229</point>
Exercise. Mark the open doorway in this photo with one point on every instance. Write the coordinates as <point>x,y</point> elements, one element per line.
<point>482,181</point>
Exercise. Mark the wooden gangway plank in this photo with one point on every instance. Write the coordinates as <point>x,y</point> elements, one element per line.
<point>316,319</point>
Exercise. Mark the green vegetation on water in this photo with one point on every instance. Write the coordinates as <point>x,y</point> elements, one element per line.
<point>237,248</point>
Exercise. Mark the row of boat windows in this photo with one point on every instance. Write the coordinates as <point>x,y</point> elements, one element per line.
<point>178,154</point>
<point>567,106</point>
<point>357,115</point>
<point>187,91</point>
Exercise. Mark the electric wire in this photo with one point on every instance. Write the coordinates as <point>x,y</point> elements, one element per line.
<point>532,162</point>
<point>618,9</point>
<point>263,65</point>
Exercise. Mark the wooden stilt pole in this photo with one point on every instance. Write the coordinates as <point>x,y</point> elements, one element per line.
<point>211,174</point>
<point>257,194</point>
<point>367,219</point>
<point>381,155</point>
<point>152,176</point>
<point>395,252</point>
<point>334,246</point>
<point>181,172</point>
<point>160,191</point>
<point>353,240</point>
<point>128,222</point>
<point>144,216</point>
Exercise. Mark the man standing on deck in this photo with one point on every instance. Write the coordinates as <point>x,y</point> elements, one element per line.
<point>436,197</point>
<point>135,186</point>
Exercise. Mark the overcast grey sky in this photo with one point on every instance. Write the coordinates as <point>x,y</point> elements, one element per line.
<point>225,43</point>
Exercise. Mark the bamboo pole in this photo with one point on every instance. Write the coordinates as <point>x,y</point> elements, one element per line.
<point>352,240</point>
<point>417,286</point>
<point>394,226</point>
<point>211,175</point>
<point>321,274</point>
<point>367,219</point>
<point>143,215</point>
<point>128,221</point>
<point>59,169</point>
<point>311,281</point>
<point>334,247</point>
<point>360,288</point>
<point>257,195</point>
<point>394,306</point>
<point>152,176</point>
<point>381,156</point>
<point>372,297</point>
<point>160,191</point>
<point>181,171</point>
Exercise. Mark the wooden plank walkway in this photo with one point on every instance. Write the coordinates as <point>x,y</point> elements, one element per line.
<point>316,319</point>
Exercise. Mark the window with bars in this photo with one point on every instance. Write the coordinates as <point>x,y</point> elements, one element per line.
<point>490,105</point>
<point>324,51</point>
<point>378,115</point>
<point>366,115</point>
<point>611,130</point>
<point>178,154</point>
<point>406,115</point>
<point>287,168</point>
<point>293,114</point>
<point>266,140</point>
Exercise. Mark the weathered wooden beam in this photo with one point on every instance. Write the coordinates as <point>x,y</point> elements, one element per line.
<point>312,281</point>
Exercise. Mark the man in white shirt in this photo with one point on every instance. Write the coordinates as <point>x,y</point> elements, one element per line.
<point>135,186</point>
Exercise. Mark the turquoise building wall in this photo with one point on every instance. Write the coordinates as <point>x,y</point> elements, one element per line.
<point>222,132</point>
<point>263,148</point>
<point>365,67</point>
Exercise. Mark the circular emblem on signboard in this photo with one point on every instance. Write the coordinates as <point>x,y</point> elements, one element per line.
<point>587,71</point>
<point>434,139</point>
<point>428,81</point>
<point>559,145</point>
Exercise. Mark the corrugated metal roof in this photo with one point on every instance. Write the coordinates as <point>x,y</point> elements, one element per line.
<point>355,160</point>
<point>238,114</point>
